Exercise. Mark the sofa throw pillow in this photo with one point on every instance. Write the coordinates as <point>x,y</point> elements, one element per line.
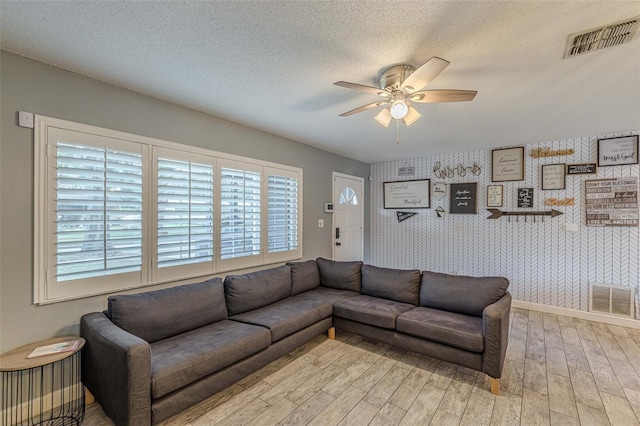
<point>393,284</point>
<point>304,276</point>
<point>254,290</point>
<point>460,294</point>
<point>340,275</point>
<point>156,315</point>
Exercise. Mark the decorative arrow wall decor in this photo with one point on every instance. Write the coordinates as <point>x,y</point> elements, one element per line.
<point>496,214</point>
<point>404,215</point>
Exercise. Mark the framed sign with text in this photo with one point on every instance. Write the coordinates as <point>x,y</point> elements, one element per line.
<point>618,151</point>
<point>463,198</point>
<point>494,195</point>
<point>402,194</point>
<point>553,176</point>
<point>507,164</point>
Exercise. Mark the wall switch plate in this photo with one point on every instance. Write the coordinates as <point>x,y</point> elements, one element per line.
<point>320,223</point>
<point>25,119</point>
<point>571,227</point>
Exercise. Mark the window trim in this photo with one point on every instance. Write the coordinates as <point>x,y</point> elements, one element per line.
<point>42,294</point>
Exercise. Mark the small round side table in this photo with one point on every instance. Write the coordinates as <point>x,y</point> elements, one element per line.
<point>46,390</point>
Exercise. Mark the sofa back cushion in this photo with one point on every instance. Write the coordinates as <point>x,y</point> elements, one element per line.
<point>459,293</point>
<point>393,284</point>
<point>340,275</point>
<point>304,276</point>
<point>254,290</point>
<point>156,315</point>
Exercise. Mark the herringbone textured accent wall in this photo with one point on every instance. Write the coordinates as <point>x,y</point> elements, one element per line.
<point>544,263</point>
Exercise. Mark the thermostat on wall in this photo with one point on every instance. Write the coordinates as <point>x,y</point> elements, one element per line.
<point>328,207</point>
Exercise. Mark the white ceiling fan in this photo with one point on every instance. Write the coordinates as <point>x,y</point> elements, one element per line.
<point>401,85</point>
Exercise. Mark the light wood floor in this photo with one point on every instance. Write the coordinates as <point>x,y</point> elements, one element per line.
<point>559,371</point>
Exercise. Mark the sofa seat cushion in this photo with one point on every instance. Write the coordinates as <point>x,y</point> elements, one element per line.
<point>287,316</point>
<point>185,358</point>
<point>371,310</point>
<point>457,330</point>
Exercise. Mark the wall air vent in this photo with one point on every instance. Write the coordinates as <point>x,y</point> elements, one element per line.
<point>612,299</point>
<point>600,38</point>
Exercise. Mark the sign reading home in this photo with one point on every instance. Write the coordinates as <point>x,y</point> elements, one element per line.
<point>407,194</point>
<point>612,202</point>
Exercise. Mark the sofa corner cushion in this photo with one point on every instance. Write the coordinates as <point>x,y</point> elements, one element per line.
<point>370,310</point>
<point>156,315</point>
<point>460,294</point>
<point>393,284</point>
<point>256,289</point>
<point>339,274</point>
<point>304,276</point>
<point>457,330</point>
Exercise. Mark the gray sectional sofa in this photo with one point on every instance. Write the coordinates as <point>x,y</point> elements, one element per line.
<point>153,354</point>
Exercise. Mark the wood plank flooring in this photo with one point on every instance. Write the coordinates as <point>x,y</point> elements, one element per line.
<point>559,371</point>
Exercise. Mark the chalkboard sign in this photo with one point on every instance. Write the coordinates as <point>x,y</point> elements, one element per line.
<point>525,197</point>
<point>463,199</point>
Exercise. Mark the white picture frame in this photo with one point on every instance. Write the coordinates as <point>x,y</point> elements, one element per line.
<point>407,194</point>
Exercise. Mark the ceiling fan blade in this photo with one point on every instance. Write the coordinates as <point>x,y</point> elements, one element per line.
<point>423,75</point>
<point>362,108</point>
<point>384,117</point>
<point>443,95</point>
<point>411,117</point>
<point>362,88</point>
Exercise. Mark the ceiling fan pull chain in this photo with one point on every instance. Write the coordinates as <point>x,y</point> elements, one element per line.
<point>397,132</point>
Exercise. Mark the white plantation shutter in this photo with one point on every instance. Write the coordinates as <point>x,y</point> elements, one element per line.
<point>283,213</point>
<point>184,211</point>
<point>239,212</point>
<point>115,211</point>
<point>98,211</point>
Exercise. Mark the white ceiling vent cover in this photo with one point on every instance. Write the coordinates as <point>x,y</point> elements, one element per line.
<point>612,299</point>
<point>602,37</point>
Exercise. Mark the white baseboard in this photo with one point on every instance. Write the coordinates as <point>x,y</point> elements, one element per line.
<point>589,316</point>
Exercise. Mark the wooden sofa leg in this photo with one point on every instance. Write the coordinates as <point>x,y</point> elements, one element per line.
<point>332,333</point>
<point>495,386</point>
<point>88,397</point>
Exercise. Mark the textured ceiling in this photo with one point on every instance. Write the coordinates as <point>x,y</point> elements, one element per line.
<point>271,64</point>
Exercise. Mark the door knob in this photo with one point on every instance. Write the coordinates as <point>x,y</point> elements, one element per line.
<point>338,244</point>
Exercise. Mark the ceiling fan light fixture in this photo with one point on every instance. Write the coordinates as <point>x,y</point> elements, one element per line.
<point>412,116</point>
<point>384,117</point>
<point>399,109</point>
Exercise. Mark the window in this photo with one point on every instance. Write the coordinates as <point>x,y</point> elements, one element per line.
<point>283,212</point>
<point>115,211</point>
<point>348,196</point>
<point>184,221</point>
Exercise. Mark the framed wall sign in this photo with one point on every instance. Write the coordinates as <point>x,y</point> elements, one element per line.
<point>494,195</point>
<point>463,198</point>
<point>507,164</point>
<point>612,202</point>
<point>582,169</point>
<point>415,194</point>
<point>525,197</point>
<point>618,151</point>
<point>553,176</point>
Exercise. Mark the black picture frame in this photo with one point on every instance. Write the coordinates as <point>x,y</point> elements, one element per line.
<point>407,194</point>
<point>463,198</point>
<point>619,151</point>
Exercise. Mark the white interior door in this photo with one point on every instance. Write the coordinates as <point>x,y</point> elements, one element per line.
<point>348,217</point>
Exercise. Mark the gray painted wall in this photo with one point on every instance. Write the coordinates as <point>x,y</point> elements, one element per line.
<point>27,85</point>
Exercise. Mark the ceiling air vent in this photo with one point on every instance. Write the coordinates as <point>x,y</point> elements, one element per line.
<point>612,299</point>
<point>600,38</point>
